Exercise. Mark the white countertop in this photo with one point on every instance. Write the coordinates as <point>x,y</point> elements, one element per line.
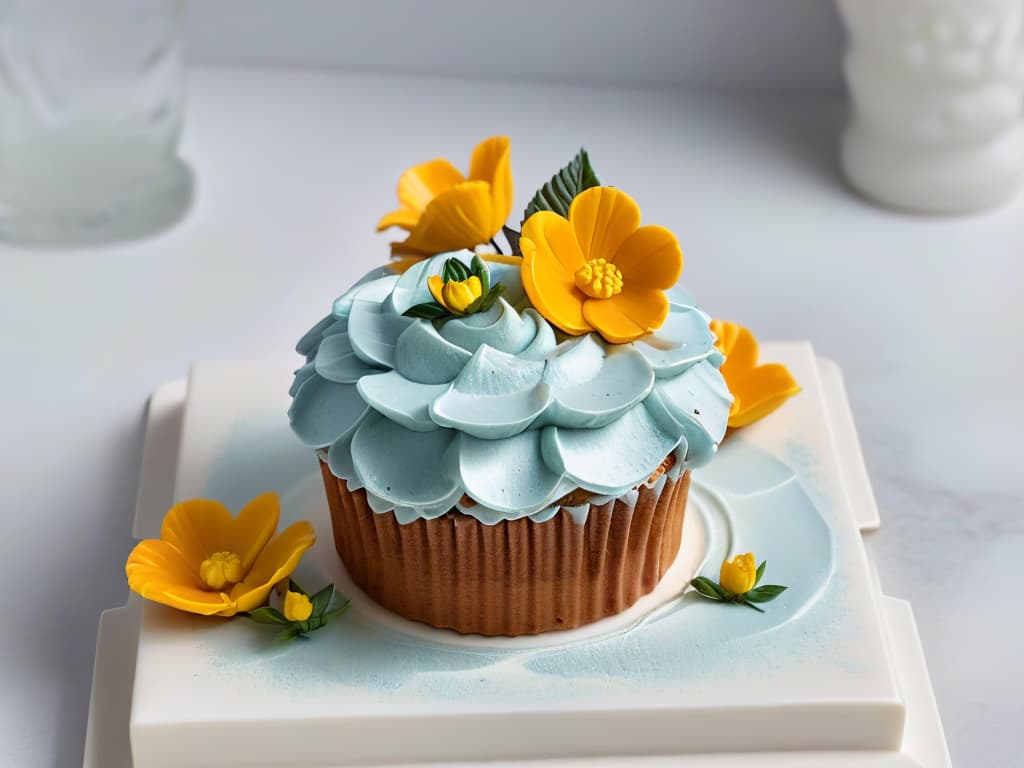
<point>294,168</point>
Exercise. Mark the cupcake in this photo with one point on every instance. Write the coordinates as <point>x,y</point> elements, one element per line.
<point>506,442</point>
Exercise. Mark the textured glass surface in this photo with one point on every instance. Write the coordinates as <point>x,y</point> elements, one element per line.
<point>91,104</point>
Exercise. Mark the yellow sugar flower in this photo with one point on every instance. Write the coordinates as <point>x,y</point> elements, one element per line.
<point>211,563</point>
<point>455,295</point>
<point>442,210</point>
<point>598,269</point>
<point>757,390</point>
<point>739,574</point>
<point>297,606</point>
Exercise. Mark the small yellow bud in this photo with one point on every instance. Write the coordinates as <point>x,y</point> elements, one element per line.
<point>459,294</point>
<point>739,574</point>
<point>297,607</point>
<point>221,569</point>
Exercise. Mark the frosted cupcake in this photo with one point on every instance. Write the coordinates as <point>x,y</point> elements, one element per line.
<point>506,446</point>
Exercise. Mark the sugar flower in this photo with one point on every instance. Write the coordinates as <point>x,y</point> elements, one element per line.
<point>739,581</point>
<point>297,606</point>
<point>211,563</point>
<point>739,574</point>
<point>442,210</point>
<point>455,295</point>
<point>598,269</point>
<point>757,390</point>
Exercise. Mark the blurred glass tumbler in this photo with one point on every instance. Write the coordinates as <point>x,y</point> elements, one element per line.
<point>937,88</point>
<point>91,106</point>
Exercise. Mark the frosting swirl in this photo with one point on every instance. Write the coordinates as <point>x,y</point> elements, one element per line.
<point>494,406</point>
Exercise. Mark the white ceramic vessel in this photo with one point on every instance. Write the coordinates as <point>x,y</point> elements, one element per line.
<point>937,90</point>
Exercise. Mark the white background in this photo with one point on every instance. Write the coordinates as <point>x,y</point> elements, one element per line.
<point>293,169</point>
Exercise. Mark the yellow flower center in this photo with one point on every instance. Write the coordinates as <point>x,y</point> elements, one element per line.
<point>599,279</point>
<point>459,294</point>
<point>221,569</point>
<point>297,607</point>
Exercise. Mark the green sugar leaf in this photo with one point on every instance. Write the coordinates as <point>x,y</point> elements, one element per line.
<point>322,600</point>
<point>707,588</point>
<point>454,271</point>
<point>480,270</point>
<point>488,299</point>
<point>268,615</point>
<point>764,594</point>
<point>557,195</point>
<point>294,586</point>
<point>429,310</point>
<point>331,615</point>
<point>293,631</point>
<point>760,572</point>
<point>513,240</point>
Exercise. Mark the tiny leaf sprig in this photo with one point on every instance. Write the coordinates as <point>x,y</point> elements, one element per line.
<point>458,291</point>
<point>302,613</point>
<point>738,583</point>
<point>558,193</point>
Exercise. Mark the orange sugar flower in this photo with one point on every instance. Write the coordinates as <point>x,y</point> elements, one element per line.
<point>598,269</point>
<point>442,210</point>
<point>757,390</point>
<point>211,563</point>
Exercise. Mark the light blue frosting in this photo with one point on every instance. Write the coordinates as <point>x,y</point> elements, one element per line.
<point>498,406</point>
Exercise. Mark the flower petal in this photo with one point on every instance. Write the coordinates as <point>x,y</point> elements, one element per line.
<point>603,217</point>
<point>253,527</point>
<point>457,218</point>
<point>760,392</point>
<point>276,562</point>
<point>549,265</point>
<point>490,162</point>
<point>436,287</point>
<point>158,571</point>
<point>739,347</point>
<point>628,315</point>
<point>197,528</point>
<point>424,182</point>
<point>557,251</point>
<point>650,258</point>
<point>406,218</point>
